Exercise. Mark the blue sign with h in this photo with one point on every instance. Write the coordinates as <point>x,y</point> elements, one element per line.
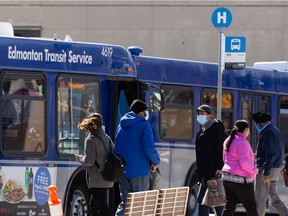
<point>221,18</point>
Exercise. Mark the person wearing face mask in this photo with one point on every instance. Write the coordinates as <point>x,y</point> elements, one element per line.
<point>269,160</point>
<point>209,153</point>
<point>239,171</point>
<point>135,143</point>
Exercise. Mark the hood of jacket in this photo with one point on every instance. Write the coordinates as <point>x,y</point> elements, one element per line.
<point>130,119</point>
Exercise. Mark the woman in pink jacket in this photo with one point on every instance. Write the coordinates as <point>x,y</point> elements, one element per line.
<point>239,171</point>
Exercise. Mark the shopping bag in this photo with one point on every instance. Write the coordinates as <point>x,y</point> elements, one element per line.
<point>215,193</point>
<point>284,172</point>
<point>154,178</point>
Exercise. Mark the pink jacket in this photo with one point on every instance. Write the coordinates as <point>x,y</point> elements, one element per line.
<point>240,158</point>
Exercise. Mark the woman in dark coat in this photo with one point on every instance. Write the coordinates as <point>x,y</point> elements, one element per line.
<point>94,150</point>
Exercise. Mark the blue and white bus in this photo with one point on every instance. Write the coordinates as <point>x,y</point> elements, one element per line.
<point>50,85</point>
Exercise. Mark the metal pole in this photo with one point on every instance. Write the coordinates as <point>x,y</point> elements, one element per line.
<point>220,71</point>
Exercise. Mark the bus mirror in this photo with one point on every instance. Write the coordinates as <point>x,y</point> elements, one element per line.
<point>157,101</point>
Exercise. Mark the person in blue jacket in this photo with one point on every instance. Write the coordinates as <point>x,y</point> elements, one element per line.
<point>135,143</point>
<point>269,161</point>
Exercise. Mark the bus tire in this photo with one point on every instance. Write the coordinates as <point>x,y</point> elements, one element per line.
<point>80,201</point>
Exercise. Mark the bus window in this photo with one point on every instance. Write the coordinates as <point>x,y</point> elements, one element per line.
<point>209,97</point>
<point>77,98</point>
<point>177,118</point>
<point>283,116</point>
<point>22,113</point>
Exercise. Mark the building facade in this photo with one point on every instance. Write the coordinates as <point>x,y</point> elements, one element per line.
<point>173,29</point>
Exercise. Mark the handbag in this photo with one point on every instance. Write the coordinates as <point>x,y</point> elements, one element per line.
<point>114,165</point>
<point>284,172</point>
<point>154,178</point>
<point>215,193</point>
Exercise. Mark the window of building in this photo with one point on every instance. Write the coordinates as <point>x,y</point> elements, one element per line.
<point>27,31</point>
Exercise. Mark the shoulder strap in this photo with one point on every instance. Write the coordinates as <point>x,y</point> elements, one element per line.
<point>96,163</point>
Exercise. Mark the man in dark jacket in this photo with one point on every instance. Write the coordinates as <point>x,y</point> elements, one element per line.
<point>209,153</point>
<point>269,160</point>
<point>134,141</point>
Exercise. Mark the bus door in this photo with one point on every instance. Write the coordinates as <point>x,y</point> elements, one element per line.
<point>252,104</point>
<point>123,94</point>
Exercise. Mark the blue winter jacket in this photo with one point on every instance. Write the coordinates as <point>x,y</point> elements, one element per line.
<point>270,149</point>
<point>134,141</point>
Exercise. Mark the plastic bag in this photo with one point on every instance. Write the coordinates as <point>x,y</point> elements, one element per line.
<point>215,193</point>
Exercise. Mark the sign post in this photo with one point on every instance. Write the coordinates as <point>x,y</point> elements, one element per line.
<point>221,19</point>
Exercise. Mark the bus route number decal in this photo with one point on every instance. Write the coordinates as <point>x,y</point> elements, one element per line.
<point>107,51</point>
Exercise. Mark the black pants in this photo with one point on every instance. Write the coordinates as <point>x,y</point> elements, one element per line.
<point>239,193</point>
<point>99,202</point>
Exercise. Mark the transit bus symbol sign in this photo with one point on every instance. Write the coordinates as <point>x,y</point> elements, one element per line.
<point>235,52</point>
<point>235,44</point>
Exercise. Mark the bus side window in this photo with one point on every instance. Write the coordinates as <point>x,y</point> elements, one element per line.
<point>209,97</point>
<point>77,98</point>
<point>22,114</point>
<point>177,118</point>
<point>283,118</point>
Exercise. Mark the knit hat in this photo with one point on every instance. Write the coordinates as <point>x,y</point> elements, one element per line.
<point>205,108</point>
<point>138,106</point>
<point>261,117</point>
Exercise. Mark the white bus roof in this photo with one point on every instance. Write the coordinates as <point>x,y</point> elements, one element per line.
<point>277,65</point>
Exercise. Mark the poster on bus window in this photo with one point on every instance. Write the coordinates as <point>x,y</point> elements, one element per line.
<point>24,190</point>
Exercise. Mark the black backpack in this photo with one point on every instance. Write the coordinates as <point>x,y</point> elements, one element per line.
<point>114,165</point>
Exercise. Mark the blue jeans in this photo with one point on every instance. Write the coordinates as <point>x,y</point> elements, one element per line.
<point>130,185</point>
<point>205,210</point>
<point>265,191</point>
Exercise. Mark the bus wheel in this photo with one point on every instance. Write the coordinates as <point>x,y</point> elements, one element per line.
<point>79,203</point>
<point>192,205</point>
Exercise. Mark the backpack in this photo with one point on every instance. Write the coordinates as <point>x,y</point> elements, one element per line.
<point>114,165</point>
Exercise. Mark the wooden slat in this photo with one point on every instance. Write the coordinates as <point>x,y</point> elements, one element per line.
<point>141,203</point>
<point>165,202</point>
<point>172,201</point>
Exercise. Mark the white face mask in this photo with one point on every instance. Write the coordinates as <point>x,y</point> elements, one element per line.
<point>147,115</point>
<point>201,119</point>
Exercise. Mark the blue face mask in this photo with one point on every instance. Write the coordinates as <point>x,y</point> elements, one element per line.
<point>201,119</point>
<point>259,128</point>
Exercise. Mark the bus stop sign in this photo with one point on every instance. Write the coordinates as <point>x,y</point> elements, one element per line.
<point>235,52</point>
<point>221,18</point>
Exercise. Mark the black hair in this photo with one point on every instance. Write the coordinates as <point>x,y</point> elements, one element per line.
<point>240,126</point>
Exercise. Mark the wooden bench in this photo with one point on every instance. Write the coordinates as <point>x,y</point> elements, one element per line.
<point>141,203</point>
<point>172,201</point>
<point>163,202</point>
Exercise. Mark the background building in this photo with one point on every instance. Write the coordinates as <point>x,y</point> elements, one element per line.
<point>174,29</point>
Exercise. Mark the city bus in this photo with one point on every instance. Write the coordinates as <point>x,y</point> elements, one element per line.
<point>50,85</point>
